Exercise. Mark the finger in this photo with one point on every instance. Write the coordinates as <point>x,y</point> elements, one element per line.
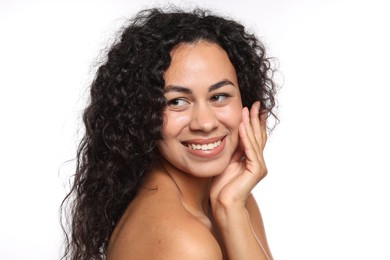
<point>254,129</point>
<point>239,153</point>
<point>256,124</point>
<point>258,127</point>
<point>248,127</point>
<point>246,140</point>
<point>254,162</point>
<point>263,126</point>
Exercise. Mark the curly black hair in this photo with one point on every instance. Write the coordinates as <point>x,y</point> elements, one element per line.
<point>124,117</point>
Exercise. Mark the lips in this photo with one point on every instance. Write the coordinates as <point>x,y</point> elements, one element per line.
<point>205,147</point>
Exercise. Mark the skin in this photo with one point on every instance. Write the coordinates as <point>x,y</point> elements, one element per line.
<point>197,204</point>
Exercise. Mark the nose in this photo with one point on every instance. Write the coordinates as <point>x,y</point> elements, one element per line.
<point>203,118</point>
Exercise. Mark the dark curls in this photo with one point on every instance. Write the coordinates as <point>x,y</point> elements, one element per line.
<point>124,117</point>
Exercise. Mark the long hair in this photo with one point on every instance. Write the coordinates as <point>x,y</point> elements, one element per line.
<point>124,116</point>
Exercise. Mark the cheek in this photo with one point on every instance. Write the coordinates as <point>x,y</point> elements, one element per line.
<point>232,115</point>
<point>173,123</point>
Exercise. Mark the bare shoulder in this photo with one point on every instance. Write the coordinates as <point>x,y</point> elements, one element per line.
<point>157,227</point>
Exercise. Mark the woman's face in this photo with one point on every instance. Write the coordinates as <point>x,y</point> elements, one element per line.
<point>203,112</point>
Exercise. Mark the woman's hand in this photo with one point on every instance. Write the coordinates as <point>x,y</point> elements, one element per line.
<point>230,190</point>
<point>247,166</point>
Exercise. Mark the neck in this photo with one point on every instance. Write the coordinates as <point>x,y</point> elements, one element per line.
<point>194,192</point>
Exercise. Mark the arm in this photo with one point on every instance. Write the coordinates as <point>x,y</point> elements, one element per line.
<point>257,223</point>
<point>239,236</point>
<point>233,207</point>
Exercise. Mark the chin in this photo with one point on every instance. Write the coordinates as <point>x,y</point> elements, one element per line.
<point>208,169</point>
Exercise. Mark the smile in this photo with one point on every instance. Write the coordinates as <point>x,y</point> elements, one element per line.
<point>204,147</point>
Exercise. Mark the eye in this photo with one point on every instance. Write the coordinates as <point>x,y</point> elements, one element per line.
<point>219,98</point>
<point>177,103</point>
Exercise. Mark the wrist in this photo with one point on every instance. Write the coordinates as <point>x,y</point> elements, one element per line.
<point>228,204</point>
<point>228,215</point>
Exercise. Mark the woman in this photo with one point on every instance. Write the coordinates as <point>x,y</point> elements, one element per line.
<point>171,151</point>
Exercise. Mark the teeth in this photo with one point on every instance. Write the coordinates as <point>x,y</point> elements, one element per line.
<point>204,147</point>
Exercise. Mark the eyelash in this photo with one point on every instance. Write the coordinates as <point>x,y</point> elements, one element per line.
<point>175,100</point>
<point>174,106</point>
<point>173,103</point>
<point>224,96</point>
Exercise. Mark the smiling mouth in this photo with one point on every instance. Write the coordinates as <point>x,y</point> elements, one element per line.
<point>204,147</point>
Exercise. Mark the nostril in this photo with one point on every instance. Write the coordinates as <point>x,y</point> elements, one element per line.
<point>204,120</point>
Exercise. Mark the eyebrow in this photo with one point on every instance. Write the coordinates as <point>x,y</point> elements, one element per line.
<point>181,89</point>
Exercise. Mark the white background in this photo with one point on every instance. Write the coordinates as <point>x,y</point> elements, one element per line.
<point>327,195</point>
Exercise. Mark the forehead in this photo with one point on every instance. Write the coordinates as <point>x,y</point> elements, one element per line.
<point>200,62</point>
<point>197,51</point>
